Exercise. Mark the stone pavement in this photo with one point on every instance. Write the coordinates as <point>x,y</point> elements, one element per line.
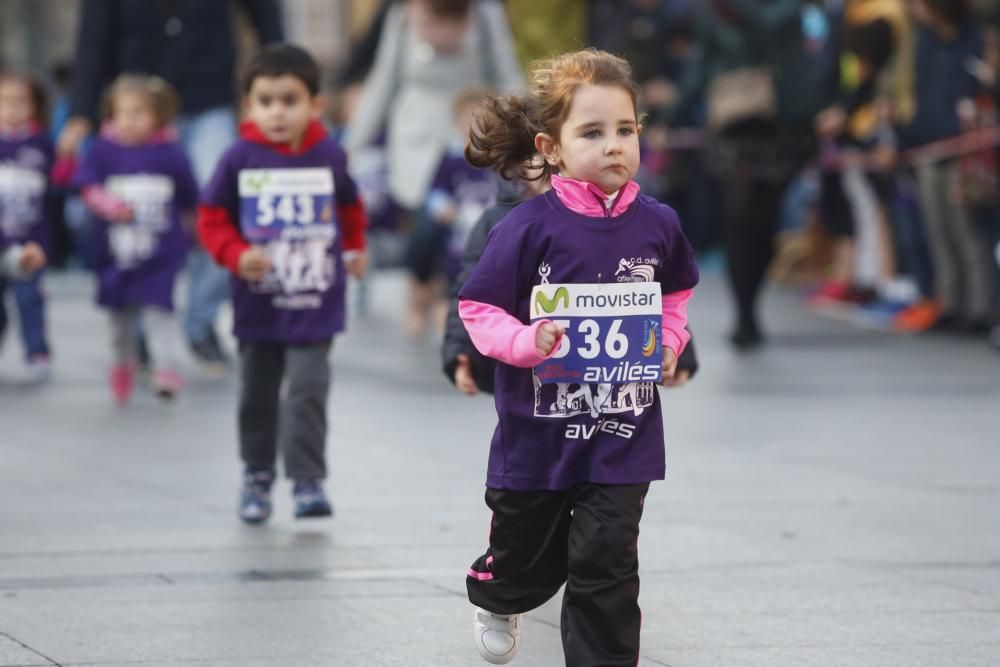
<point>833,501</point>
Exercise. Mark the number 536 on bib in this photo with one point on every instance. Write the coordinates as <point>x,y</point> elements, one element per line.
<point>613,332</point>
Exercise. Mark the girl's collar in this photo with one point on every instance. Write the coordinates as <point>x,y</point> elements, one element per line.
<point>588,199</point>
<point>29,130</point>
<point>165,135</point>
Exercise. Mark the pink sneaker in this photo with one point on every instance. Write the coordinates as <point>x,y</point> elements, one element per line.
<point>167,383</point>
<point>121,380</point>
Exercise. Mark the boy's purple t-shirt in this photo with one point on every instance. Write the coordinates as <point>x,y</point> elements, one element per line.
<point>287,204</point>
<point>551,436</point>
<point>138,261</point>
<point>25,163</point>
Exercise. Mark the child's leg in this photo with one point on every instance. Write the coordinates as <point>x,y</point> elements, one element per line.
<point>163,338</point>
<point>163,348</point>
<point>31,307</point>
<point>3,308</point>
<point>123,342</point>
<point>526,561</point>
<point>600,614</point>
<point>262,367</point>
<point>304,436</point>
<point>125,352</point>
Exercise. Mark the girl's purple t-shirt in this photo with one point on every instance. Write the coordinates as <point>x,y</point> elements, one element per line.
<point>551,436</point>
<point>25,163</point>
<point>137,262</point>
<point>287,205</point>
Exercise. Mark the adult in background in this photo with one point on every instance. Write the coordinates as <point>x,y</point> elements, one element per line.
<point>191,44</point>
<point>428,52</point>
<point>761,88</point>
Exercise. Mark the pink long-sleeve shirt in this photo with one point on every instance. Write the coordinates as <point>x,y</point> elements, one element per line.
<point>498,334</point>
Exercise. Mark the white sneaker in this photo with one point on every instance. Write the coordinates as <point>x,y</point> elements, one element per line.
<point>498,637</point>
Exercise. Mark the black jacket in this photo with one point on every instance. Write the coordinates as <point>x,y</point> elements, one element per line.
<point>456,338</point>
<point>187,42</point>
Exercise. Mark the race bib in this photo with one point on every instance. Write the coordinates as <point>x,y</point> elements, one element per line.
<point>285,204</point>
<point>613,332</point>
<point>131,244</point>
<point>290,213</point>
<point>148,195</point>
<point>21,191</point>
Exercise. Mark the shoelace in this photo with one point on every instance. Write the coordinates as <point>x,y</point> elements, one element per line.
<point>309,495</point>
<point>257,485</point>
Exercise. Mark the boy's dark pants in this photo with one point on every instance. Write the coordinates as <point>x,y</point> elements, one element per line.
<point>263,367</point>
<point>585,536</point>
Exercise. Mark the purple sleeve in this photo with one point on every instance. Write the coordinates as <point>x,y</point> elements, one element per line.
<point>223,188</point>
<point>91,170</point>
<point>346,188</point>
<point>494,280</point>
<point>185,187</point>
<point>680,270</point>
<point>442,177</point>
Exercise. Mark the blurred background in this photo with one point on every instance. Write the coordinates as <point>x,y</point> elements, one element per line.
<point>833,462</point>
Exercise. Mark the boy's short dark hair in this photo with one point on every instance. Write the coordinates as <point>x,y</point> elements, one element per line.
<point>281,59</point>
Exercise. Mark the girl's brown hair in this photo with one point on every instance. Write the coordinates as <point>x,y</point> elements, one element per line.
<point>39,96</point>
<point>503,133</point>
<point>161,95</point>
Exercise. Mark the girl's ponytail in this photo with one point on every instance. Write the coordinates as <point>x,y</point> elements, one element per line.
<point>503,135</point>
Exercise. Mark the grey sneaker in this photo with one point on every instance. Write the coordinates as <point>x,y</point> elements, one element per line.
<point>310,500</point>
<point>209,351</point>
<point>255,495</point>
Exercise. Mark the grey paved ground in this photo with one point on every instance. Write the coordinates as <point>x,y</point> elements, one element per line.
<point>833,501</point>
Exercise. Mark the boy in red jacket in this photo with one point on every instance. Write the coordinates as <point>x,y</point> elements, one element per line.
<point>282,213</point>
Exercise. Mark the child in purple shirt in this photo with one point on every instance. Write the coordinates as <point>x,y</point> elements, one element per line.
<point>458,195</point>
<point>283,215</point>
<point>138,182</point>
<point>26,158</point>
<point>580,433</point>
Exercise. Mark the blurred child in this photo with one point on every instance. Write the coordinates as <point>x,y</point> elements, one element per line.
<point>26,160</point>
<point>138,183</point>
<point>282,213</point>
<point>457,198</point>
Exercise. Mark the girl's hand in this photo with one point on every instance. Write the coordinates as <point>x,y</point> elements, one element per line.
<point>464,381</point>
<point>679,379</point>
<point>32,257</point>
<point>546,338</point>
<point>121,213</point>
<point>254,264</point>
<point>669,365</point>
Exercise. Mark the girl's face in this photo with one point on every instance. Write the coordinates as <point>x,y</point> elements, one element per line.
<point>132,118</point>
<point>17,109</point>
<point>599,141</point>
